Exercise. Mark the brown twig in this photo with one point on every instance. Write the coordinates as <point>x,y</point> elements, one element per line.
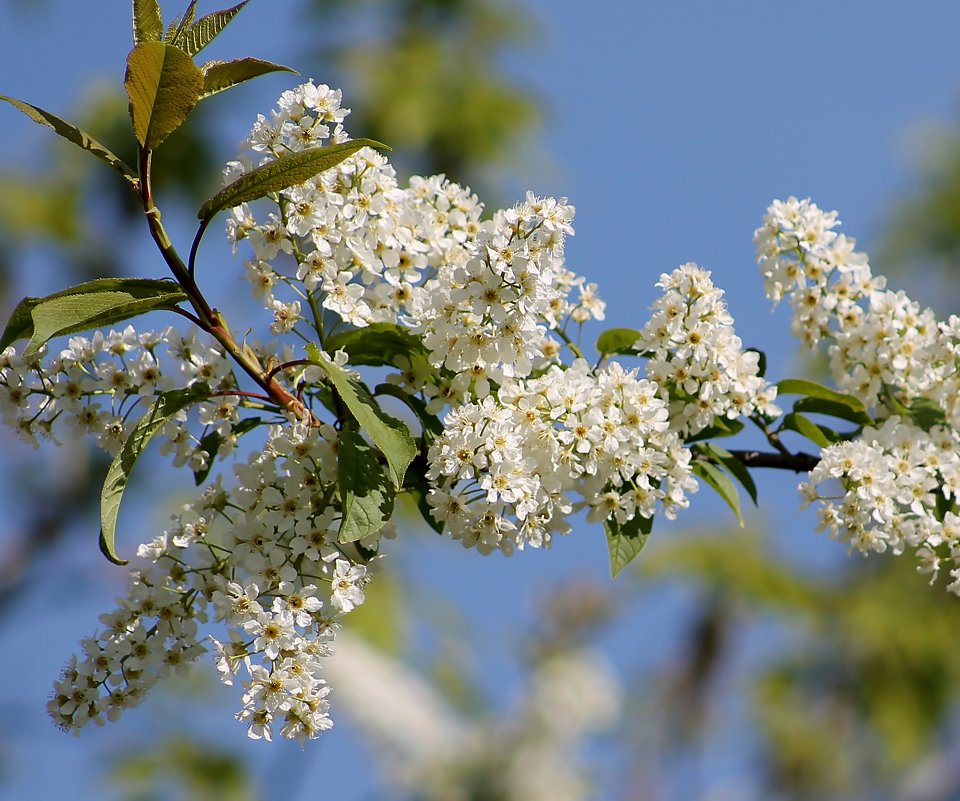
<point>797,462</point>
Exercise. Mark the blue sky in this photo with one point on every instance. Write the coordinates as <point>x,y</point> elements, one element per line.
<point>670,126</point>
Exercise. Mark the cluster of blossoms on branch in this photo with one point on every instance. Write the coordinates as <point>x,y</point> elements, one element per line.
<point>262,556</point>
<point>464,317</point>
<point>526,441</point>
<point>483,294</point>
<point>899,477</point>
<point>99,386</point>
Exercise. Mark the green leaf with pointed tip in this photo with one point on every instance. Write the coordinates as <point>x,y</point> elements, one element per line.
<point>430,422</point>
<point>426,511</point>
<point>164,86</point>
<point>118,475</point>
<point>722,427</point>
<point>926,413</point>
<point>831,408</point>
<point>180,24</point>
<point>800,386</point>
<point>720,481</point>
<point>288,170</point>
<point>195,36</point>
<point>103,301</point>
<point>376,344</point>
<point>73,134</point>
<point>733,465</point>
<point>618,340</point>
<point>819,435</point>
<point>147,22</point>
<point>365,491</point>
<point>211,444</point>
<point>626,541</point>
<point>218,76</point>
<point>390,435</point>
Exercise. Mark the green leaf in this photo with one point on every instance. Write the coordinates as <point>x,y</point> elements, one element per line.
<point>733,465</point>
<point>376,344</point>
<point>722,427</point>
<point>426,512</point>
<point>365,491</point>
<point>430,422</point>
<point>219,76</point>
<point>761,361</point>
<point>285,171</point>
<point>73,134</point>
<point>618,340</point>
<point>195,36</point>
<point>926,413</point>
<point>390,435</point>
<point>719,480</point>
<point>118,476</point>
<point>147,22</point>
<point>944,505</point>
<point>180,24</point>
<point>626,541</point>
<point>833,409</point>
<point>164,86</point>
<point>799,386</point>
<point>817,434</point>
<point>211,444</point>
<point>101,302</point>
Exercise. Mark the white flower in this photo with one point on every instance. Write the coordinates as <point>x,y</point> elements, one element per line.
<point>347,585</point>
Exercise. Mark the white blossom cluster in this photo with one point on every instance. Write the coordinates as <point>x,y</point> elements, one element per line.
<point>96,384</point>
<point>263,557</point>
<point>483,294</point>
<point>880,341</point>
<point>900,480</point>
<point>899,483</point>
<point>505,468</point>
<point>695,357</point>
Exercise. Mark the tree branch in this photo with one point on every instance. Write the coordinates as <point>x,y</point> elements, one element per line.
<point>797,462</point>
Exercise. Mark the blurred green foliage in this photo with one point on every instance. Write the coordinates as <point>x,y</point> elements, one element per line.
<point>426,77</point>
<point>182,770</point>
<point>924,230</point>
<point>868,685</point>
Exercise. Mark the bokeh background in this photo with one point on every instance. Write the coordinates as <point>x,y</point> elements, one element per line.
<point>754,663</point>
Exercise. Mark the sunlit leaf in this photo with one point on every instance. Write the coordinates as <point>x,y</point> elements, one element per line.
<point>626,541</point>
<point>376,344</point>
<point>147,22</point>
<point>93,304</point>
<point>194,36</point>
<point>720,481</point>
<point>218,76</point>
<point>819,435</point>
<point>164,86</point>
<point>618,341</point>
<point>390,435</point>
<point>733,465</point>
<point>722,427</point>
<point>118,476</point>
<point>74,135</point>
<point>365,491</point>
<point>831,408</point>
<point>281,173</point>
<point>800,386</point>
